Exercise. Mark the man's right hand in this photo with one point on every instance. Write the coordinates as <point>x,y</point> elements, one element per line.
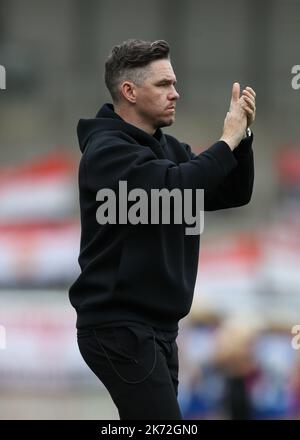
<point>235,123</point>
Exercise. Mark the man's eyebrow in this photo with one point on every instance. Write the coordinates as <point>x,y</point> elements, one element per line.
<point>167,80</point>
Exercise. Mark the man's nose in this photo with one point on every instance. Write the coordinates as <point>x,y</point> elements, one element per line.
<point>174,94</point>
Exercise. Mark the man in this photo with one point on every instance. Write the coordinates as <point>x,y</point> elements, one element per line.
<point>137,280</point>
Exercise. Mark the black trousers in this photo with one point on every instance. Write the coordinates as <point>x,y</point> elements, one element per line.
<point>138,365</point>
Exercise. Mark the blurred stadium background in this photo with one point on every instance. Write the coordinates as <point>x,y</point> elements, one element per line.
<point>236,357</point>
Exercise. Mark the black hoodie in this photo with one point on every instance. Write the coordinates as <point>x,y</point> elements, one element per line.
<point>146,272</point>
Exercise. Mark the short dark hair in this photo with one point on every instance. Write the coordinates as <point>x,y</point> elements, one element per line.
<point>128,60</point>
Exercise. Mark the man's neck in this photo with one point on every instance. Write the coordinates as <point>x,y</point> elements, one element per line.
<point>132,118</point>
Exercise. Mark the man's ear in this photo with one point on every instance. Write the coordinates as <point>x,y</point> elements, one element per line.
<point>128,90</point>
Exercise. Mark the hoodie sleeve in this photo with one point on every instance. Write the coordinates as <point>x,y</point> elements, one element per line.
<point>109,160</point>
<point>236,189</point>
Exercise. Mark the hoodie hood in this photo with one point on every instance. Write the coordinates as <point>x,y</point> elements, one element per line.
<point>106,119</point>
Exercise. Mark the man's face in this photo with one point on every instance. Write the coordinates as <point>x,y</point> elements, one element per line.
<point>156,97</point>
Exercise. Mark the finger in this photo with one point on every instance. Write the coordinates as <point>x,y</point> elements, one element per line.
<point>251,91</point>
<point>249,101</point>
<point>248,110</point>
<point>246,95</point>
<point>249,94</point>
<point>235,95</point>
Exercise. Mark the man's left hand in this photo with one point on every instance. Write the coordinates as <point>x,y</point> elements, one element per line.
<point>248,98</point>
